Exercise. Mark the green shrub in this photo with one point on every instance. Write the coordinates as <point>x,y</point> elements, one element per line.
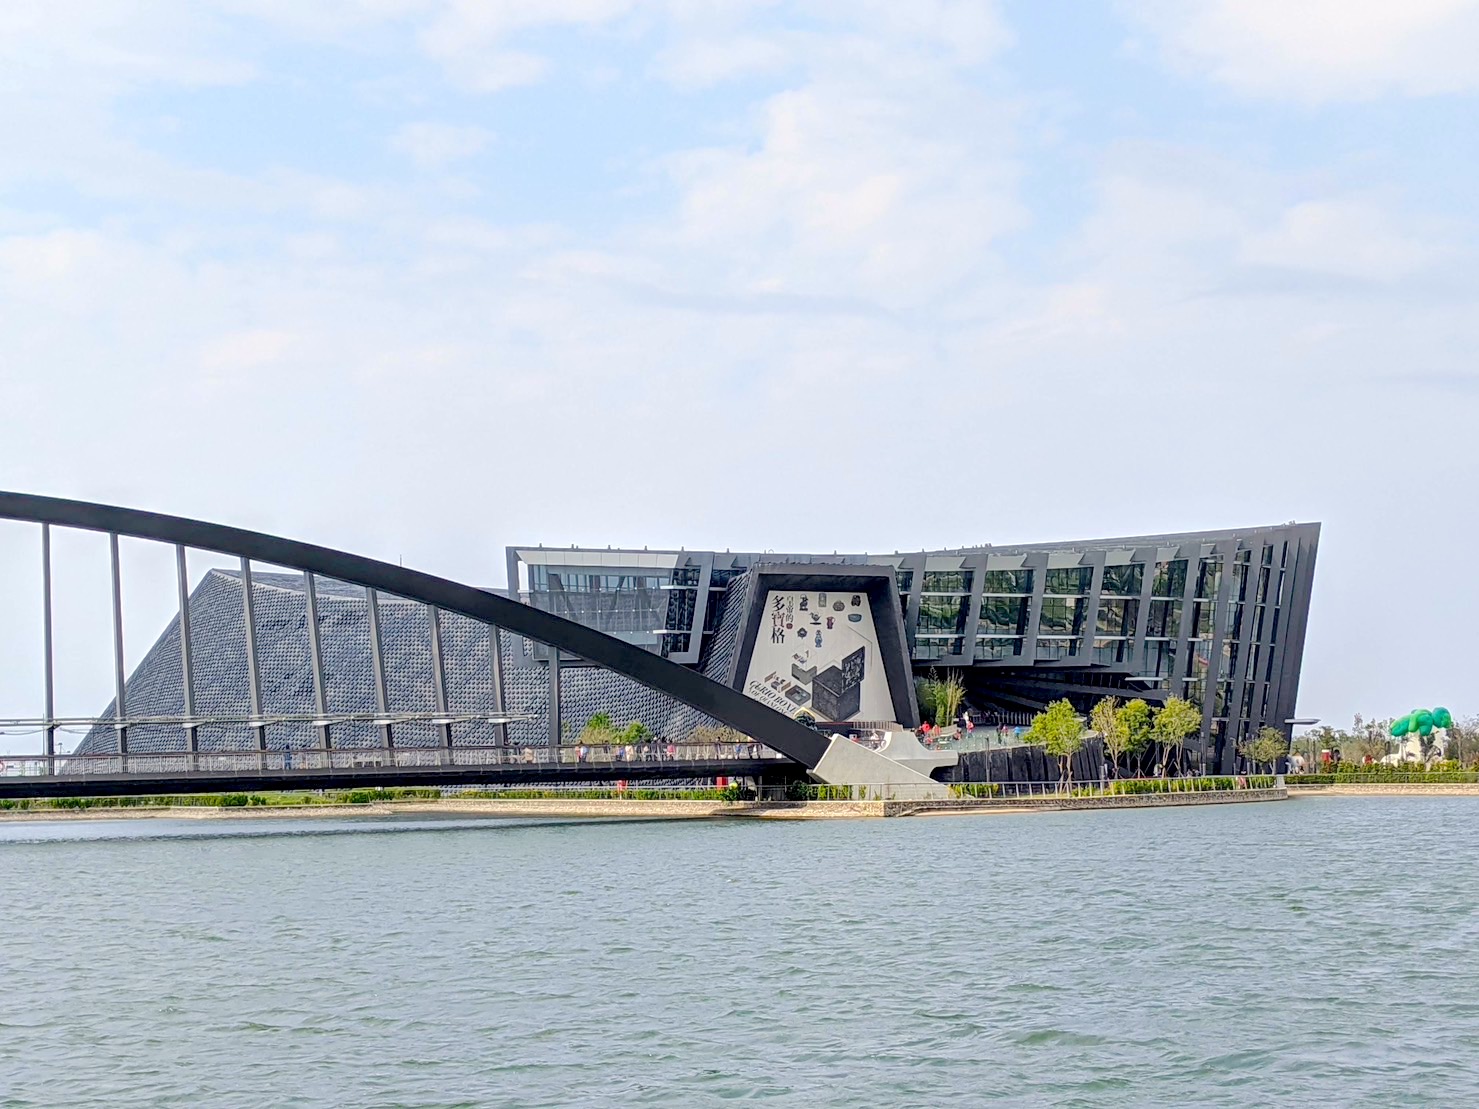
<point>976,789</point>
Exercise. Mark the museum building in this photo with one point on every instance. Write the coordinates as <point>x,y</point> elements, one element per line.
<point>1216,617</point>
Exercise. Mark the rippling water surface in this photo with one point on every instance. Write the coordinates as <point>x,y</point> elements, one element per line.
<point>1315,950</point>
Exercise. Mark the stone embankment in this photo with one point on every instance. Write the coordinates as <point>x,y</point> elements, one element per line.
<point>1389,789</point>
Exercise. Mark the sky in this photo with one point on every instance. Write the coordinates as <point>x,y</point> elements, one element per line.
<point>423,278</point>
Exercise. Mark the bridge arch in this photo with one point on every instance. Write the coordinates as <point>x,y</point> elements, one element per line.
<point>728,706</point>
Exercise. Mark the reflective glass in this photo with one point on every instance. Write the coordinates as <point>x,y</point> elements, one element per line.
<point>942,614</point>
<point>1070,581</point>
<point>936,648</point>
<point>1158,657</point>
<point>1209,578</point>
<point>1202,618</point>
<point>1164,618</point>
<point>948,581</point>
<point>1170,578</point>
<point>1056,648</point>
<point>988,648</point>
<point>1062,616</point>
<point>1111,650</point>
<point>1117,617</point>
<point>1003,615</point>
<point>1123,581</point>
<point>905,579</point>
<point>1008,581</point>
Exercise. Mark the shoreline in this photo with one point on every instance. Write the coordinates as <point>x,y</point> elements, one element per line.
<point>617,808</point>
<point>1388,789</point>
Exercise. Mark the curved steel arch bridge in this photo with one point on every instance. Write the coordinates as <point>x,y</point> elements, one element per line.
<point>793,748</point>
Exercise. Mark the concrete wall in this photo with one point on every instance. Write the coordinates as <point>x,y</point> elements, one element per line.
<point>1024,764</point>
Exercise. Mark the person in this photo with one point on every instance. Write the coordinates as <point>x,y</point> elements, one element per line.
<point>528,754</point>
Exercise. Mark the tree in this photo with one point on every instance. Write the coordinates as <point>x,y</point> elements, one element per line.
<point>1177,720</point>
<point>948,697</point>
<point>926,692</point>
<point>1367,746</point>
<point>940,698</point>
<point>1059,731</point>
<point>599,730</point>
<point>1463,740</point>
<point>635,732</point>
<point>1106,718</point>
<point>1268,746</point>
<point>1138,721</point>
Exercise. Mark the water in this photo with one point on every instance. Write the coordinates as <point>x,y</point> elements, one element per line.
<point>1315,950</point>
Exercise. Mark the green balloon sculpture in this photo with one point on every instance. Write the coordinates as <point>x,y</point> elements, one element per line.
<point>1422,722</point>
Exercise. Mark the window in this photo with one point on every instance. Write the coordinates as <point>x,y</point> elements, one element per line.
<point>942,614</point>
<point>948,581</point>
<point>1194,690</point>
<point>1202,618</point>
<point>1239,590</point>
<point>1071,581</point>
<point>1158,657</point>
<point>1111,650</point>
<point>936,648</point>
<point>1164,618</point>
<point>905,578</point>
<point>674,644</point>
<point>1234,621</point>
<point>1209,578</point>
<point>1117,617</point>
<point>1003,616</point>
<point>995,647</point>
<point>1199,658</point>
<point>1050,649</point>
<point>1170,578</point>
<point>1122,581</point>
<point>1008,581</point>
<point>1062,616</point>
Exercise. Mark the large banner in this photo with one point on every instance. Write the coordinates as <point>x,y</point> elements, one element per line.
<point>816,654</point>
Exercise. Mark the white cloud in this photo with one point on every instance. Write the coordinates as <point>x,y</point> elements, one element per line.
<point>1346,237</point>
<point>1319,50</point>
<point>432,145</point>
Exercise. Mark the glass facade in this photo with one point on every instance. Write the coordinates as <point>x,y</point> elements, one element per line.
<point>1203,617</point>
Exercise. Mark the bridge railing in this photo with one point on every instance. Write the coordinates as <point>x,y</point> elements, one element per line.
<point>289,761</point>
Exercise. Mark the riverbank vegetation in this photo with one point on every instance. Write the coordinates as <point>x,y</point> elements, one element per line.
<point>1129,732</point>
<point>1348,773</point>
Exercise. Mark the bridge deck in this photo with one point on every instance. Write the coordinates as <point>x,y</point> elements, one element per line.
<point>234,772</point>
